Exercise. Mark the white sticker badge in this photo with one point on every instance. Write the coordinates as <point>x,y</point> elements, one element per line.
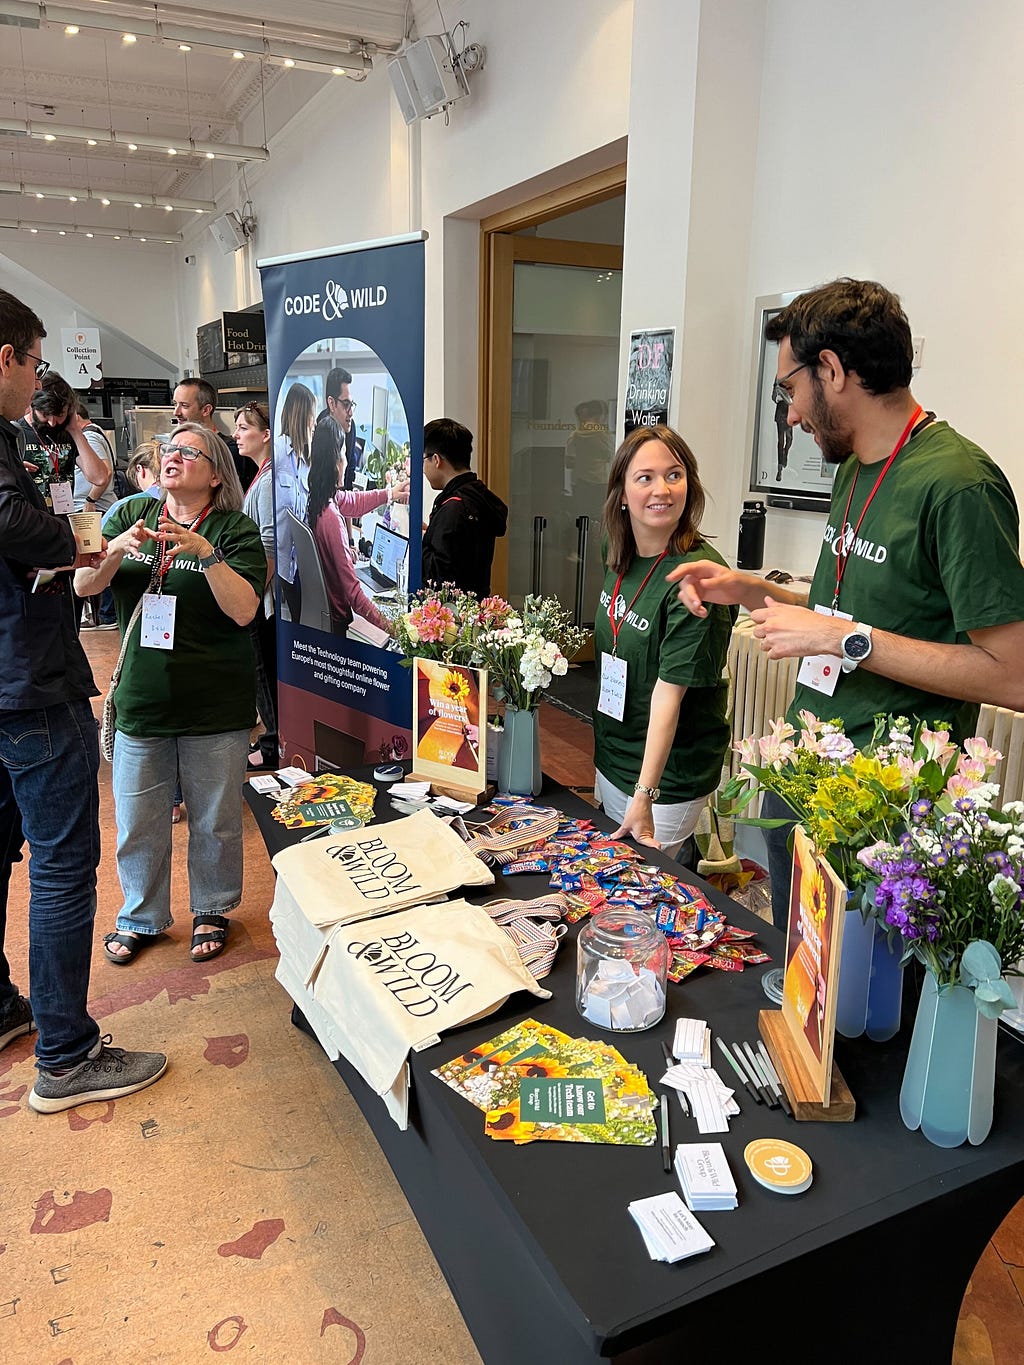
<point>612,701</point>
<point>821,671</point>
<point>158,621</point>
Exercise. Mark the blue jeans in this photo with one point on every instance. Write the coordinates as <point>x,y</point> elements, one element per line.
<point>49,760</point>
<point>212,769</point>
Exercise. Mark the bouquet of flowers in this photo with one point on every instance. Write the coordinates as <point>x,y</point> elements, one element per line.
<point>442,624</point>
<point>950,888</point>
<point>523,650</point>
<point>849,800</point>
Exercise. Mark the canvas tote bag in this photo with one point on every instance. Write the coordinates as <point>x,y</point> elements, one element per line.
<point>395,984</point>
<point>382,867</point>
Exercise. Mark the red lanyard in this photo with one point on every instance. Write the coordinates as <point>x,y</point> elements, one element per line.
<point>52,452</point>
<point>164,563</point>
<point>617,625</point>
<point>843,549</point>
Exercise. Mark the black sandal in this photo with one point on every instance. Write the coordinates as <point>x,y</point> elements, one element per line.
<point>133,942</point>
<point>218,936</point>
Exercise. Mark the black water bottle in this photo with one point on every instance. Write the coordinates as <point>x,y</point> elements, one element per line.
<point>750,551</point>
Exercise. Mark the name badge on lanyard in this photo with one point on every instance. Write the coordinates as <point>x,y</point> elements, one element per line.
<point>612,700</point>
<point>157,621</point>
<point>61,498</point>
<point>821,671</point>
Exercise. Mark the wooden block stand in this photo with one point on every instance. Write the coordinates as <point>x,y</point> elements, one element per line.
<point>457,793</point>
<point>796,1082</point>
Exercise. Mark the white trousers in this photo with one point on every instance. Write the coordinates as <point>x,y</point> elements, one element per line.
<point>673,822</point>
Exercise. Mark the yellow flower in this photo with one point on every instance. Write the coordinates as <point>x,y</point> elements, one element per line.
<point>455,686</point>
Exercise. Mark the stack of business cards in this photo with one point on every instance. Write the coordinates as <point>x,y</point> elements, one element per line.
<point>703,1172</point>
<point>692,1041</point>
<point>669,1231</point>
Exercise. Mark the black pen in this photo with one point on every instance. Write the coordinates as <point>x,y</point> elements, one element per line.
<point>729,1058</point>
<point>670,1061</point>
<point>760,1075</point>
<point>769,1070</point>
<point>762,1094</point>
<point>666,1143</point>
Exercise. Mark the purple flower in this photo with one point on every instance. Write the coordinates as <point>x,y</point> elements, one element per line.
<point>920,808</point>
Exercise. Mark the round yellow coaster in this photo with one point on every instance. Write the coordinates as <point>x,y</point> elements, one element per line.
<point>779,1166</point>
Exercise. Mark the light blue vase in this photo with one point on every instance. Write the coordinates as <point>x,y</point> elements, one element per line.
<point>870,995</point>
<point>519,758</point>
<point>949,1081</point>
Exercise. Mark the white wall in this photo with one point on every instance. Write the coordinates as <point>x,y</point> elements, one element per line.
<point>129,290</point>
<point>890,147</point>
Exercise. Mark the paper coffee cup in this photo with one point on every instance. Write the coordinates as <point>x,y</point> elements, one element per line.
<point>87,527</point>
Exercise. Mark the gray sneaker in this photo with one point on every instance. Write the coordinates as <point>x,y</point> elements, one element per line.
<point>15,1020</point>
<point>109,1075</point>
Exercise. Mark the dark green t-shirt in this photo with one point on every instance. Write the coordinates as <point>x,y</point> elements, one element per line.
<point>206,684</point>
<point>937,556</point>
<point>659,638</point>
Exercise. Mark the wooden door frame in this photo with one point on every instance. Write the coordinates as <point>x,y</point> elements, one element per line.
<point>500,249</point>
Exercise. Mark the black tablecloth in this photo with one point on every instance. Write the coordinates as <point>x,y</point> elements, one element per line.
<point>546,1263</point>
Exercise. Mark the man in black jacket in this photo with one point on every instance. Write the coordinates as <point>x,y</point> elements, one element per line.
<point>458,545</point>
<point>49,759</point>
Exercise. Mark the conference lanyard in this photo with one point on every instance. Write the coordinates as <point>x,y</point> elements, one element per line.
<point>52,451</point>
<point>617,625</point>
<point>164,563</point>
<point>845,544</point>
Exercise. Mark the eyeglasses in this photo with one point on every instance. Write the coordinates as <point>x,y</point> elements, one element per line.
<point>259,410</point>
<point>188,453</point>
<point>781,395</point>
<point>42,366</point>
<point>346,403</point>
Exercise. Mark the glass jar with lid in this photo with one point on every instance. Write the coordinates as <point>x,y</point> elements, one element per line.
<point>621,969</point>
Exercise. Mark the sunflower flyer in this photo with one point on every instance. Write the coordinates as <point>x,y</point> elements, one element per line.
<point>450,741</point>
<point>536,1084</point>
<point>328,797</point>
<point>813,942</point>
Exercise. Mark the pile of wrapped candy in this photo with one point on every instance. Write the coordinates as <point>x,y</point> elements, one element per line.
<point>594,872</point>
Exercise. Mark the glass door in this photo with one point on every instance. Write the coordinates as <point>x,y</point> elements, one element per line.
<point>554,395</point>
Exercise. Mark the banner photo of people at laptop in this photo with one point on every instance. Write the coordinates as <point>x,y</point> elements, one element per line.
<point>345,361</point>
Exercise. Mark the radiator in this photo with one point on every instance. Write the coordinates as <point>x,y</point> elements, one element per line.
<point>762,688</point>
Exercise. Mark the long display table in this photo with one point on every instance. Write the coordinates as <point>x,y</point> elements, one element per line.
<point>870,1265</point>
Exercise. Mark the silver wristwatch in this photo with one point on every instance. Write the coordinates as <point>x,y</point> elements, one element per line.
<point>652,792</point>
<point>856,646</point>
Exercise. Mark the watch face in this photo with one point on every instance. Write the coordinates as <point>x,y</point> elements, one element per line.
<point>857,646</point>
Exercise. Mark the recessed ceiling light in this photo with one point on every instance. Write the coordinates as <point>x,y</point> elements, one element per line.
<point>209,156</point>
<point>200,210</point>
<point>92,142</point>
<point>172,151</point>
<point>105,203</point>
<point>71,29</point>
<point>168,208</point>
<point>336,71</point>
<point>63,233</point>
<point>133,146</point>
<point>142,239</point>
<point>49,137</point>
<point>184,47</point>
<point>238,56</point>
<point>138,206</point>
<point>72,198</point>
<point>40,196</point>
<point>117,236</point>
<point>128,38</point>
<point>33,229</point>
<point>288,61</point>
<point>89,234</point>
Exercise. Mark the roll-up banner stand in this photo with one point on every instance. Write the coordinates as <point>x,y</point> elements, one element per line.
<point>345,552</point>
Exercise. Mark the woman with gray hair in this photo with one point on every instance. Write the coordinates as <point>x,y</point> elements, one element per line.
<point>186,570</point>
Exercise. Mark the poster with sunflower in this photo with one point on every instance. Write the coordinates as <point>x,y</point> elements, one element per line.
<point>448,701</point>
<point>817,906</point>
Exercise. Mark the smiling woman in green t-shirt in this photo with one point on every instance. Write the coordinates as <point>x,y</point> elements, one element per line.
<point>660,727</point>
<point>186,699</point>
